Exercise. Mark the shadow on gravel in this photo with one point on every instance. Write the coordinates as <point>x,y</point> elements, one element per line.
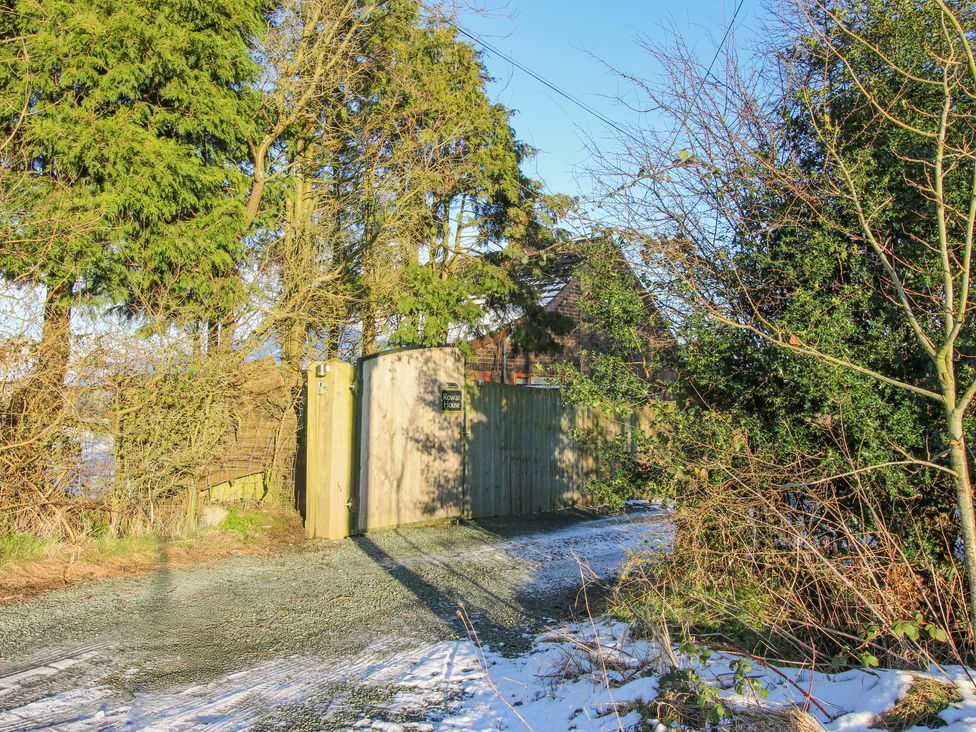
<point>161,580</point>
<point>442,599</point>
<point>503,607</point>
<point>510,527</point>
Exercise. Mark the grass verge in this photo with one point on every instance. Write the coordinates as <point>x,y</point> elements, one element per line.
<point>22,547</point>
<point>31,565</point>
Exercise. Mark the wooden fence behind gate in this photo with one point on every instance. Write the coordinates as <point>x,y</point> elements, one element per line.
<point>522,454</point>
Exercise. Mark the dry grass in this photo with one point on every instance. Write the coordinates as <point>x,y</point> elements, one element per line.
<point>837,576</point>
<point>920,706</point>
<point>36,566</point>
<point>773,720</point>
<point>680,703</point>
<point>607,660</point>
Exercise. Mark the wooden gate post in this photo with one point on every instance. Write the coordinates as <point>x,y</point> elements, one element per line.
<point>330,462</point>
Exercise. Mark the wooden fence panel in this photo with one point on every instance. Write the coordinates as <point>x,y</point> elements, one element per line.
<point>521,451</point>
<point>263,440</point>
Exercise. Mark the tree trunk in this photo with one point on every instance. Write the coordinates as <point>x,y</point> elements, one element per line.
<point>40,401</point>
<point>964,501</point>
<point>293,357</point>
<point>285,465</point>
<point>332,341</point>
<point>213,337</point>
<point>228,326</point>
<point>55,347</point>
<point>369,332</point>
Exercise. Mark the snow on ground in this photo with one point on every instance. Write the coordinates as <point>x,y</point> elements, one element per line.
<point>585,676</point>
<point>556,686</point>
<point>544,690</point>
<point>460,686</point>
<point>851,698</point>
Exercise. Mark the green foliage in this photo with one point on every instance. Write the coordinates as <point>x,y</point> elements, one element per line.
<point>621,369</point>
<point>468,225</point>
<point>429,304</point>
<point>131,142</point>
<point>743,682</point>
<point>810,280</point>
<point>22,547</point>
<point>687,701</point>
<point>622,361</point>
<point>248,522</point>
<point>606,381</point>
<point>613,302</point>
<point>240,521</point>
<point>623,474</point>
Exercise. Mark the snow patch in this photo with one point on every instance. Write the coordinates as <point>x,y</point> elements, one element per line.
<point>589,676</point>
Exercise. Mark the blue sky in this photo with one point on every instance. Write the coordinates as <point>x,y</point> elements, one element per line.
<point>567,42</point>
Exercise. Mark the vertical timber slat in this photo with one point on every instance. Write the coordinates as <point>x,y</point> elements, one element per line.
<point>330,461</point>
<point>521,456</point>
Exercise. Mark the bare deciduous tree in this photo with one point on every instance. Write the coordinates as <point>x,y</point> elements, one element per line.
<point>889,81</point>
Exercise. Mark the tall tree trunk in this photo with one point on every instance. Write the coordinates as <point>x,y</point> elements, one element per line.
<point>55,347</point>
<point>332,340</point>
<point>295,273</point>
<point>228,327</point>
<point>213,337</point>
<point>293,357</point>
<point>964,501</point>
<point>292,319</point>
<point>39,403</point>
<point>369,331</point>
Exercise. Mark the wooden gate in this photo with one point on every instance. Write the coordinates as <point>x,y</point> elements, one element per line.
<point>403,439</point>
<point>411,442</point>
<point>521,452</point>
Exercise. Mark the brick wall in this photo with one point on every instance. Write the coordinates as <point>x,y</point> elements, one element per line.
<point>492,355</point>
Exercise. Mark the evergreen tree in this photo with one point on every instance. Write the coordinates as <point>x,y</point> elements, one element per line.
<point>128,124</point>
<point>468,218</point>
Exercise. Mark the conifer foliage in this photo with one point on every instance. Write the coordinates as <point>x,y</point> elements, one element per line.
<point>130,118</point>
<point>204,181</point>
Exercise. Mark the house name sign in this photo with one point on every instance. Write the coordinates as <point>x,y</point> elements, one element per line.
<point>452,399</point>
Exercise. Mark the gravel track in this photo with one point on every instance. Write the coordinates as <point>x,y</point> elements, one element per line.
<point>246,637</point>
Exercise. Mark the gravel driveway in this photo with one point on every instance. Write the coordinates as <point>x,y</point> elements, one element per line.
<point>285,641</point>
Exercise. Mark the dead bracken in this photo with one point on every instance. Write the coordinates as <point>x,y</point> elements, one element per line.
<point>920,706</point>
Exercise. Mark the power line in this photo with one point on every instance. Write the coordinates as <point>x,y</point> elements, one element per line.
<point>721,43</point>
<point>708,72</point>
<point>573,98</point>
<point>542,80</point>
